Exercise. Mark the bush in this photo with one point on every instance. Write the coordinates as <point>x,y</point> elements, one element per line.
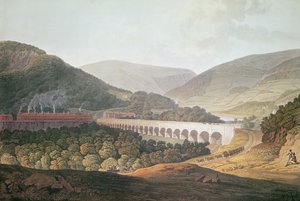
<point>90,148</point>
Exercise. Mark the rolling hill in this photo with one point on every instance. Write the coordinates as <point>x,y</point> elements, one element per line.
<point>138,77</point>
<point>27,72</point>
<point>254,84</point>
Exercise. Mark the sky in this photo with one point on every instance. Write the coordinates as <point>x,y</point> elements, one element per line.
<point>193,34</point>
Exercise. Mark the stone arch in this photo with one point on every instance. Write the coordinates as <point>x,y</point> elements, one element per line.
<point>176,134</point>
<point>204,136</point>
<point>216,138</point>
<point>129,127</point>
<point>146,130</point>
<point>136,129</point>
<point>141,129</point>
<point>162,132</point>
<point>156,131</point>
<point>151,130</point>
<point>193,136</point>
<point>169,133</point>
<point>184,135</point>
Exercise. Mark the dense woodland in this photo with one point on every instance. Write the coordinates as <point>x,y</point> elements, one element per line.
<point>276,125</point>
<point>90,147</point>
<point>187,114</point>
<point>47,73</point>
<point>142,102</point>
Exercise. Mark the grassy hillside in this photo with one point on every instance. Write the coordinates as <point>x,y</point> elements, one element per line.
<point>26,71</point>
<point>226,89</point>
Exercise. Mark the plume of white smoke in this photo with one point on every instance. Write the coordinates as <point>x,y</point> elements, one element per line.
<point>22,106</point>
<point>50,99</point>
<point>58,99</point>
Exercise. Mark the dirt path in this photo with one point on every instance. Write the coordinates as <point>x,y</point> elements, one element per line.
<point>254,138</point>
<point>257,163</point>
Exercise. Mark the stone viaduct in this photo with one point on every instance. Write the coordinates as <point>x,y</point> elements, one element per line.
<point>215,133</point>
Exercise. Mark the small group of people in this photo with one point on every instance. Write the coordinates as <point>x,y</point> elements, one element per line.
<point>292,159</point>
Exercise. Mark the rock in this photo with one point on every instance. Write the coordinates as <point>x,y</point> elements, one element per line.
<point>65,184</point>
<point>207,179</point>
<point>39,180</point>
<point>200,178</point>
<point>216,179</point>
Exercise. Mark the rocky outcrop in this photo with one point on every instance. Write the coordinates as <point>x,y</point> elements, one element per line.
<point>276,126</point>
<point>292,143</point>
<point>277,137</point>
<point>40,181</point>
<point>208,179</point>
<point>17,57</point>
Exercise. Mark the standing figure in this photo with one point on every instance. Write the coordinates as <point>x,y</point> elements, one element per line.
<point>294,158</point>
<point>290,157</point>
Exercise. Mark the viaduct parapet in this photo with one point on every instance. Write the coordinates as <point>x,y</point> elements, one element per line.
<point>215,133</point>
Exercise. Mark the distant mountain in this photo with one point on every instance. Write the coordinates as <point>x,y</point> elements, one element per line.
<point>29,76</point>
<point>138,77</point>
<point>254,84</point>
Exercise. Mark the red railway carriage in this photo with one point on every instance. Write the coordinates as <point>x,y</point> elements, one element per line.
<point>6,117</point>
<point>52,117</point>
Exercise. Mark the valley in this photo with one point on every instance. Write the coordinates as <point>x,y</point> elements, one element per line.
<point>174,100</point>
<point>166,151</point>
<point>139,77</point>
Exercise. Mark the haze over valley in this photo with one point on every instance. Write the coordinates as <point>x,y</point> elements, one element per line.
<point>138,77</point>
